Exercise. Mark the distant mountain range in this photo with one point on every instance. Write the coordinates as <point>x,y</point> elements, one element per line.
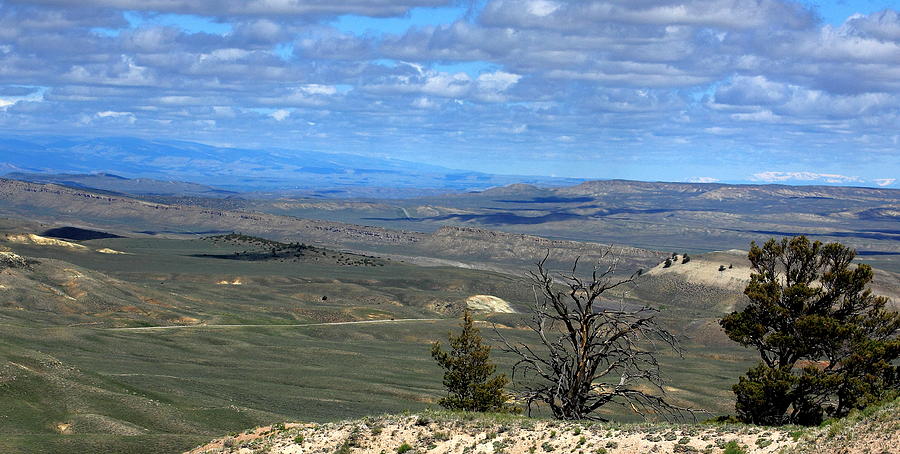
<point>121,185</point>
<point>240,169</point>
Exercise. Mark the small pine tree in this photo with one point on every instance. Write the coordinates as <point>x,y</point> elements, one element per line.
<point>468,371</point>
<point>668,263</point>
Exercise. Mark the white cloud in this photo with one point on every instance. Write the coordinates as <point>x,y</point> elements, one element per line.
<point>316,89</point>
<point>491,86</point>
<point>668,78</point>
<point>424,103</point>
<point>497,81</point>
<point>224,112</point>
<point>428,82</point>
<point>542,8</point>
<point>110,114</point>
<point>447,85</point>
<point>772,177</point>
<point>225,55</point>
<point>884,181</point>
<point>763,116</point>
<point>702,180</point>
<point>280,114</point>
<point>253,8</point>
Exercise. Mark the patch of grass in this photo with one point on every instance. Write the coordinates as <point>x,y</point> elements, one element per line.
<point>733,447</point>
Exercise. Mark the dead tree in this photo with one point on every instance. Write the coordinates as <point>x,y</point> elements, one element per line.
<point>591,353</point>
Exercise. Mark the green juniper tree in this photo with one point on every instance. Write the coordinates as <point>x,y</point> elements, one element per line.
<point>467,372</point>
<point>827,344</point>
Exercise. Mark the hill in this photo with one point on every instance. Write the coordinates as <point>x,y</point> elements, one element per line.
<point>681,217</point>
<point>130,216</point>
<point>117,184</point>
<point>716,281</point>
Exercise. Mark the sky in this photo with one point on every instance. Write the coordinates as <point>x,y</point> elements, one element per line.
<point>796,92</point>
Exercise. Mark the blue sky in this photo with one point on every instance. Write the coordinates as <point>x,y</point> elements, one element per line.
<point>733,90</point>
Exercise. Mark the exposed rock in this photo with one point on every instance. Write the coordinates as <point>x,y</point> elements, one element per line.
<point>12,260</point>
<point>489,303</point>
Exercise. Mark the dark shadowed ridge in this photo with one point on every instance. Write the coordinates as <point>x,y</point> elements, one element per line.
<point>78,234</point>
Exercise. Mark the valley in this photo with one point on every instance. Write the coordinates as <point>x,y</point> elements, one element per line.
<point>136,325</point>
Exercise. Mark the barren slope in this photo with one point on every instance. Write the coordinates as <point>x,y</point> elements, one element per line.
<point>455,433</point>
<point>875,430</point>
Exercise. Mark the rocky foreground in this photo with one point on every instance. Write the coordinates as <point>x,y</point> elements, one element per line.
<point>876,431</point>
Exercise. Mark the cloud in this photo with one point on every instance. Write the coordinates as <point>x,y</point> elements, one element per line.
<point>673,81</point>
<point>884,181</point>
<point>772,177</point>
<point>424,103</point>
<point>317,89</point>
<point>702,180</point>
<point>109,115</point>
<point>724,14</point>
<point>280,114</point>
<point>230,8</point>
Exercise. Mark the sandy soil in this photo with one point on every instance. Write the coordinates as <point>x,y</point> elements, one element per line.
<point>457,434</point>
<point>875,430</point>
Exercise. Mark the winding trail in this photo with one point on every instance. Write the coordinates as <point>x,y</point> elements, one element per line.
<point>302,325</point>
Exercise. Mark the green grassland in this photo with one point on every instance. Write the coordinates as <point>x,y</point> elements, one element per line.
<point>72,380</point>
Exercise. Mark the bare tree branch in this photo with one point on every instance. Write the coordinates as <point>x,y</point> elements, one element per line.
<point>591,354</point>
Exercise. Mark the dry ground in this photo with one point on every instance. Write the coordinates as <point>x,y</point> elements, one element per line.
<point>466,434</point>
<point>873,431</point>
